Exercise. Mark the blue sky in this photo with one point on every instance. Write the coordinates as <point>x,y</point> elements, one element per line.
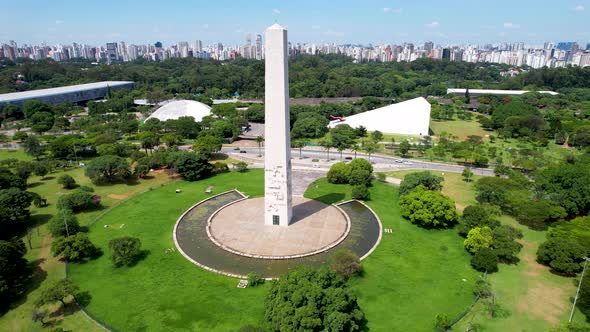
<point>340,21</point>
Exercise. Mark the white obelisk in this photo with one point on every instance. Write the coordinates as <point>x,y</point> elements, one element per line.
<point>277,161</point>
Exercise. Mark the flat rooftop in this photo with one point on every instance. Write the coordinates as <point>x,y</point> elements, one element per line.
<point>33,94</point>
<point>497,92</point>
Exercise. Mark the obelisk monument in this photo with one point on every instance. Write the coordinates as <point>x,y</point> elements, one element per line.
<point>278,208</point>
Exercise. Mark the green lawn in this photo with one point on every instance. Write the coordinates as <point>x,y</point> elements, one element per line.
<point>459,128</point>
<point>165,291</point>
<point>414,274</point>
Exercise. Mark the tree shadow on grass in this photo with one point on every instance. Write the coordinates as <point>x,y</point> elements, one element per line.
<point>141,256</point>
<point>47,178</point>
<point>330,198</point>
<point>38,276</point>
<point>34,184</point>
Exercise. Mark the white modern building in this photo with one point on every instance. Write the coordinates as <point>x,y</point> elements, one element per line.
<point>179,108</point>
<point>411,117</point>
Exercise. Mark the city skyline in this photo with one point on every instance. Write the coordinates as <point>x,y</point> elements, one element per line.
<point>377,22</point>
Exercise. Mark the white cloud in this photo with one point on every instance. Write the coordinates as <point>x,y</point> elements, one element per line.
<point>206,26</point>
<point>392,10</point>
<point>276,11</point>
<point>510,25</point>
<point>59,22</point>
<point>433,24</point>
<point>332,33</point>
<point>315,27</point>
<point>488,27</point>
<point>579,8</point>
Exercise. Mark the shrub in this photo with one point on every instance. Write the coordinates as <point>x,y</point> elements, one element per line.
<point>562,254</point>
<point>485,260</point>
<point>66,181</point>
<point>125,250</point>
<point>361,164</point>
<point>360,177</point>
<point>86,189</point>
<point>478,238</point>
<point>505,245</point>
<point>219,168</point>
<point>428,208</point>
<point>76,200</point>
<point>425,179</point>
<point>381,177</point>
<point>73,248</point>
<point>345,263</point>
<point>339,173</point>
<point>360,192</point>
<point>57,223</point>
<point>254,279</point>
<point>241,166</point>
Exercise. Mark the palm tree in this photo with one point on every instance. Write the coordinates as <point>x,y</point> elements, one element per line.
<point>356,148</point>
<point>327,144</point>
<point>298,144</point>
<point>369,147</point>
<point>259,140</point>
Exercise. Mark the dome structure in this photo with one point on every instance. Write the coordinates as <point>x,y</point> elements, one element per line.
<point>179,108</point>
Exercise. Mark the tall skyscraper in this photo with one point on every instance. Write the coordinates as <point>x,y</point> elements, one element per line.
<point>258,47</point>
<point>112,54</point>
<point>198,46</point>
<point>446,54</point>
<point>428,46</point>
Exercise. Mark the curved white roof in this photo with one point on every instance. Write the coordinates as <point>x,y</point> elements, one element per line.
<point>411,117</point>
<point>179,108</point>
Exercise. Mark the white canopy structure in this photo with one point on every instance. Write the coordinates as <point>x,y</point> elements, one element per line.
<point>411,117</point>
<point>179,108</point>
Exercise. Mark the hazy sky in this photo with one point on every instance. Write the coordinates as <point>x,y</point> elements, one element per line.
<point>340,21</point>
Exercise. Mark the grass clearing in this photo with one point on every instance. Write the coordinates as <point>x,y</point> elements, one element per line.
<point>460,128</point>
<point>414,274</point>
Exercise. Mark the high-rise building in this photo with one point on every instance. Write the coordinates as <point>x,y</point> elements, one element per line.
<point>428,46</point>
<point>258,47</point>
<point>198,46</point>
<point>112,54</point>
<point>446,54</point>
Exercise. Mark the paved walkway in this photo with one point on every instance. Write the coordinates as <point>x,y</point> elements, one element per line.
<point>240,229</point>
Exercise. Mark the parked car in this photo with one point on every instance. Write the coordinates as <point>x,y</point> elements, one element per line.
<point>242,151</point>
<point>348,158</point>
<point>237,148</point>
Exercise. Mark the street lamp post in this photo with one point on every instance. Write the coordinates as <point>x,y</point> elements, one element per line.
<point>578,291</point>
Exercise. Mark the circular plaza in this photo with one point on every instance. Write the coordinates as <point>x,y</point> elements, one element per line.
<point>315,227</point>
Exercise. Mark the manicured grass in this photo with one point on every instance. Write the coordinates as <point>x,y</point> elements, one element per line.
<point>532,297</point>
<point>459,128</point>
<point>460,191</point>
<point>14,154</point>
<point>414,274</point>
<point>165,291</point>
<point>48,268</point>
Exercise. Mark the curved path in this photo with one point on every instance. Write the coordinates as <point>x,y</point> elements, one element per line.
<point>191,239</point>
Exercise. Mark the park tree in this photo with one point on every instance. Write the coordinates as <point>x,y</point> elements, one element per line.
<point>485,259</point>
<point>404,147</point>
<point>9,180</point>
<point>23,169</point>
<point>298,144</point>
<point>74,247</point>
<point>467,174</point>
<point>63,223</point>
<point>584,296</point>
<point>361,164</point>
<point>345,263</point>
<point>207,145</point>
<point>424,178</point>
<point>504,243</point>
<point>479,216</point>
<point>339,173</point>
<point>193,166</point>
<point>312,300</point>
<point>562,254</point>
<point>41,122</point>
<point>125,250</point>
<point>377,136</point>
<point>34,106</point>
<point>567,185</point>
<point>149,140</point>
<point>76,200</point>
<point>255,113</point>
<point>42,167</point>
<point>309,127</point>
<point>259,141</point>
<point>428,208</point>
<point>478,238</point>
<point>107,169</point>
<point>327,144</point>
<point>241,166</point>
<point>14,206</point>
<point>369,147</point>
<point>58,291</point>
<point>33,147</point>
<point>67,181</point>
<point>171,140</point>
<point>15,273</point>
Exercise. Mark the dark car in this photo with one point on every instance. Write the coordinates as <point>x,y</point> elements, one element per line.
<point>237,149</point>
<point>242,151</point>
<point>348,158</point>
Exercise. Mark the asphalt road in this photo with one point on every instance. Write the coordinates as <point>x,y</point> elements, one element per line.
<point>380,162</point>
